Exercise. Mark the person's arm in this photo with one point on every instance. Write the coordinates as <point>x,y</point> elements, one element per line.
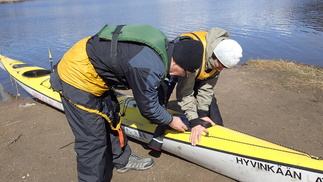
<point>143,83</point>
<point>144,75</point>
<point>205,95</point>
<point>204,98</point>
<point>185,97</point>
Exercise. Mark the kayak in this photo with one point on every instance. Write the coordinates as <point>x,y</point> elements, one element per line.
<point>231,153</point>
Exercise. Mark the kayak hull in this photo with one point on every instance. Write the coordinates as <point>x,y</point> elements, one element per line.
<point>231,153</point>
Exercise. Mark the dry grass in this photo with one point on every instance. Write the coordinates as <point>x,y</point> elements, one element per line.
<point>291,75</point>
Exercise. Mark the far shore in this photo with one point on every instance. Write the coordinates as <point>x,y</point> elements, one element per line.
<point>12,1</point>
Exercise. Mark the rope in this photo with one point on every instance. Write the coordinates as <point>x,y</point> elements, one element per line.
<point>125,105</point>
<point>235,141</point>
<point>260,146</point>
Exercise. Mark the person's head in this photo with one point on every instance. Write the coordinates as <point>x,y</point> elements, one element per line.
<point>187,57</point>
<point>227,54</point>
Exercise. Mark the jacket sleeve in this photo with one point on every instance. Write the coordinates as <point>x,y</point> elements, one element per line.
<point>205,95</point>
<point>185,97</point>
<point>144,75</point>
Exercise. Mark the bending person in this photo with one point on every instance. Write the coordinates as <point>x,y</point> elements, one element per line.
<point>195,93</point>
<point>136,57</point>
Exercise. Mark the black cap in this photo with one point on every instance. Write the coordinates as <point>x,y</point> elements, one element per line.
<point>188,54</point>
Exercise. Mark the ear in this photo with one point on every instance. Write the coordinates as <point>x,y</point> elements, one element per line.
<point>173,68</point>
<point>172,62</point>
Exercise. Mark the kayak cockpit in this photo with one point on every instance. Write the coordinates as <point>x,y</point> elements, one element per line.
<point>36,73</point>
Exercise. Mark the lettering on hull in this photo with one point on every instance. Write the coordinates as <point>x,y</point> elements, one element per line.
<point>46,99</point>
<point>275,169</point>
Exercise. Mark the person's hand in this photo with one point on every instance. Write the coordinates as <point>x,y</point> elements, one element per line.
<point>177,124</point>
<point>196,133</point>
<point>207,119</point>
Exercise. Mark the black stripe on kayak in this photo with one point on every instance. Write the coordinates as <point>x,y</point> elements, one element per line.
<point>239,155</point>
<point>21,65</point>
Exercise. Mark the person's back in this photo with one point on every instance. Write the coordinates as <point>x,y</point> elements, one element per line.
<point>86,77</point>
<point>141,69</point>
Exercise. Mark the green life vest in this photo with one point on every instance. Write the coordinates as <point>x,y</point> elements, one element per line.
<point>144,34</point>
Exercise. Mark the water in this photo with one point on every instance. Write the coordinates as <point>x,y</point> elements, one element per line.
<point>278,29</point>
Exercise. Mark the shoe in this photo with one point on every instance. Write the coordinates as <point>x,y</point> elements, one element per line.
<point>137,163</point>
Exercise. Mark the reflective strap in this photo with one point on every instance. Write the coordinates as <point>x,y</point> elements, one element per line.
<point>121,137</point>
<point>197,37</point>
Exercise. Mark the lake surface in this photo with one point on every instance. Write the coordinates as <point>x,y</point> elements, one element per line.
<point>277,29</point>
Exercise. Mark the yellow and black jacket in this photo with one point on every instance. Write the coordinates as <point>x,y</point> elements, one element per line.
<point>201,85</point>
<point>86,73</point>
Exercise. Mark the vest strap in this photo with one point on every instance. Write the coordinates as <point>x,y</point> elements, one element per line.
<point>197,37</point>
<point>114,53</point>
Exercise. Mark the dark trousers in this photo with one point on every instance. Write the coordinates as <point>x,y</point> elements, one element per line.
<point>96,145</point>
<point>214,112</point>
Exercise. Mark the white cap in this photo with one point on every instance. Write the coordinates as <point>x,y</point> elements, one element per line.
<point>228,52</point>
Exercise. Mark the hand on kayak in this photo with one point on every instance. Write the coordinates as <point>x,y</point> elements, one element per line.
<point>178,124</point>
<point>207,119</point>
<point>196,133</point>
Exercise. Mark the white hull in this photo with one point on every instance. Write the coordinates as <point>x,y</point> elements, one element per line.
<point>42,97</point>
<point>232,165</point>
<point>227,152</point>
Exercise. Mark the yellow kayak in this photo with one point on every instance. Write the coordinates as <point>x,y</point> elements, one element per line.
<point>225,151</point>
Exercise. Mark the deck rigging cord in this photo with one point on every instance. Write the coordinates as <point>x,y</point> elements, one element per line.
<point>298,152</point>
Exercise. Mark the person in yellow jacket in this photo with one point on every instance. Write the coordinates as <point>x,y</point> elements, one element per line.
<point>195,93</point>
<point>136,57</point>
